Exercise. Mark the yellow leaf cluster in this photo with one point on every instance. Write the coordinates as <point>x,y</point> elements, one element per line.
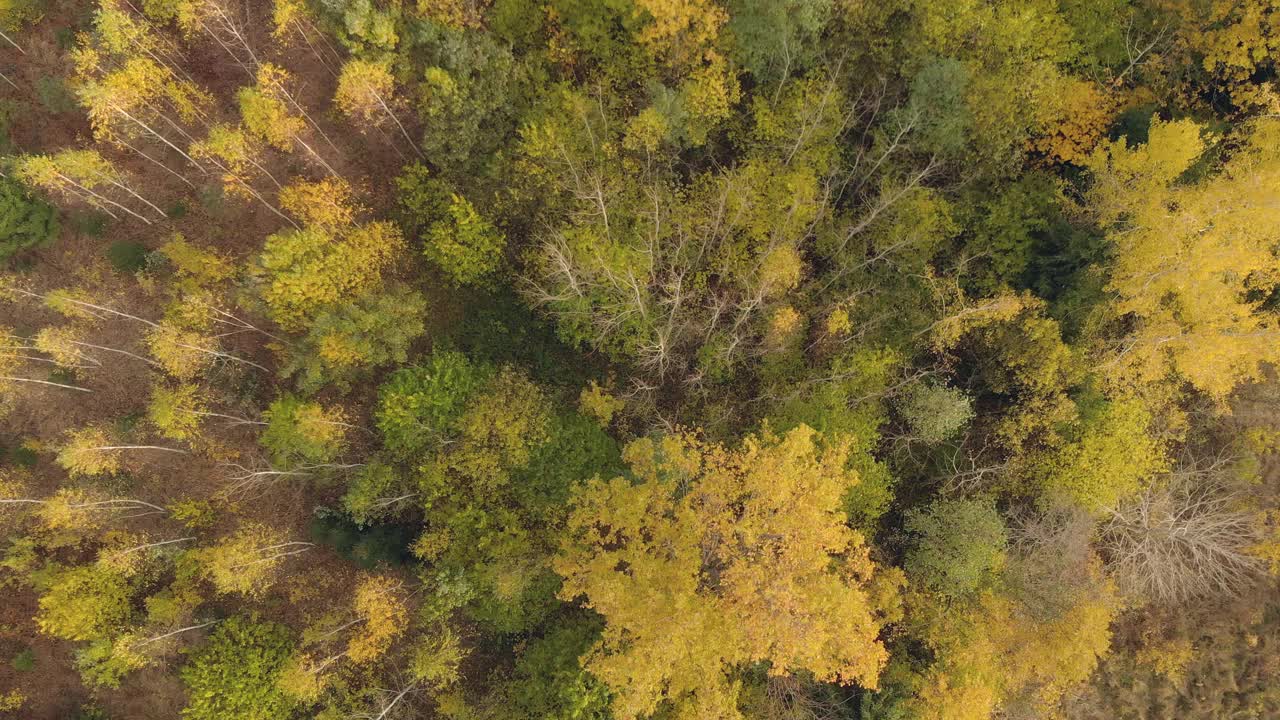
<point>766,520</point>
<point>246,562</point>
<point>1082,119</point>
<point>1188,256</point>
<point>309,269</point>
<point>380,603</point>
<point>365,88</point>
<point>84,453</point>
<point>329,203</point>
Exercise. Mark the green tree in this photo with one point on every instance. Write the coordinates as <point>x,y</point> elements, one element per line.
<point>25,220</point>
<point>464,245</point>
<point>376,492</point>
<point>299,431</point>
<point>958,546</point>
<point>1113,458</point>
<point>935,413</point>
<point>233,676</point>
<point>421,403</point>
<point>348,341</point>
<point>502,423</point>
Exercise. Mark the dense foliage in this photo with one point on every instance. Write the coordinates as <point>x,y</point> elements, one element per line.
<point>640,359</point>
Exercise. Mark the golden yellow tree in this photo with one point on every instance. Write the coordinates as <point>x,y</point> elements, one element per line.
<point>366,94</point>
<point>380,603</point>
<point>764,521</point>
<point>1191,260</point>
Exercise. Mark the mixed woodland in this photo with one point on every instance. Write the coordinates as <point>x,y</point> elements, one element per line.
<point>639,359</point>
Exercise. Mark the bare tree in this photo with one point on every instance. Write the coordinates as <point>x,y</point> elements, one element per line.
<point>1185,539</point>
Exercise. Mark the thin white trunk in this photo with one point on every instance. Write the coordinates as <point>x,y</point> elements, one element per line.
<point>116,350</point>
<point>157,638</point>
<point>101,198</point>
<point>316,155</point>
<point>44,382</point>
<point>11,42</point>
<point>140,548</point>
<point>166,168</point>
<point>138,447</point>
<point>148,203</point>
<point>161,138</point>
<point>396,120</point>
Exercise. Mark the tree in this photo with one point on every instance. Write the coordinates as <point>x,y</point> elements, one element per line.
<point>1188,538</point>
<point>469,98</point>
<point>366,94</point>
<point>233,676</point>
<point>348,341</point>
<point>304,271</point>
<point>307,432</point>
<point>622,275</point>
<point>86,176</point>
<point>85,603</point>
<point>376,492</point>
<point>239,155</point>
<point>248,561</point>
<point>183,352</point>
<point>176,411</point>
<point>1191,260</point>
<point>766,520</point>
<point>419,404</point>
<point>505,419</point>
<point>935,413</point>
<point>329,203</point>
<point>548,680</point>
<point>267,109</point>
<point>383,613</point>
<point>466,246</point>
<point>131,87</point>
<point>265,113</point>
<point>959,546</point>
<point>92,451</point>
<point>25,221</point>
<point>1112,459</point>
<point>776,40</point>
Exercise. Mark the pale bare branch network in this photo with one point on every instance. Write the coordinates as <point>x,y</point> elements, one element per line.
<point>1184,539</point>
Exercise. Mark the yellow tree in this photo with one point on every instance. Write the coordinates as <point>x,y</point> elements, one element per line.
<point>292,18</point>
<point>329,203</point>
<point>995,650</point>
<point>1192,261</point>
<point>248,561</point>
<point>176,411</point>
<point>268,110</point>
<point>131,88</point>
<point>383,611</point>
<point>84,175</point>
<point>366,94</point>
<point>13,357</point>
<point>237,155</point>
<point>764,521</point>
<point>682,35</point>
<point>325,262</point>
<point>1234,42</point>
<point>85,603</point>
<point>92,451</point>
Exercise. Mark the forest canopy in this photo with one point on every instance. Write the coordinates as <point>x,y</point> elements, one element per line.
<point>639,359</point>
